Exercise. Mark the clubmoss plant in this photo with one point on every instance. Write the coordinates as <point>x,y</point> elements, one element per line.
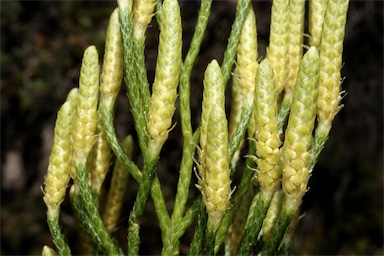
<point>282,111</point>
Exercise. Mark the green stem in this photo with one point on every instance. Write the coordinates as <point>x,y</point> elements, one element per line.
<point>277,233</point>
<point>141,73</point>
<point>188,217</point>
<point>257,214</point>
<point>160,208</point>
<point>172,240</point>
<point>237,198</point>
<point>238,225</point>
<point>110,133</point>
<point>131,79</point>
<point>284,111</point>
<point>234,37</point>
<point>238,135</point>
<point>157,195</point>
<point>57,235</point>
<point>198,238</point>
<point>87,246</point>
<point>85,205</point>
<point>184,178</point>
<point>139,205</point>
<point>319,141</point>
<point>200,28</point>
<point>209,243</point>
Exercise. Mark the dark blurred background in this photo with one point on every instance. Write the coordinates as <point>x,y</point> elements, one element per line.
<point>42,43</point>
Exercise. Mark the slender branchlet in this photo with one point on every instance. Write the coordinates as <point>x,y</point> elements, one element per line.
<point>87,246</point>
<point>164,91</point>
<point>215,179</point>
<point>134,85</point>
<point>142,15</point>
<point>331,49</point>
<point>58,174</point>
<point>267,133</point>
<point>85,123</point>
<point>237,228</point>
<point>277,50</point>
<point>233,40</point>
<point>237,103</point>
<point>298,136</point>
<point>235,115</point>
<point>316,19</point>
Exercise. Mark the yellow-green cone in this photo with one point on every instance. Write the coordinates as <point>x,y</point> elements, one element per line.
<point>277,50</point>
<point>267,133</point>
<point>247,63</point>
<point>217,181</point>
<point>298,135</point>
<point>331,49</point>
<point>164,91</point>
<point>215,176</point>
<point>85,123</point>
<point>58,174</point>
<point>48,251</point>
<point>295,44</point>
<point>142,15</point>
<point>112,71</point>
<point>247,58</point>
<point>213,94</point>
<point>316,19</point>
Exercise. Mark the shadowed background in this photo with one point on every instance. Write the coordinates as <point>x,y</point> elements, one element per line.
<point>42,43</point>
